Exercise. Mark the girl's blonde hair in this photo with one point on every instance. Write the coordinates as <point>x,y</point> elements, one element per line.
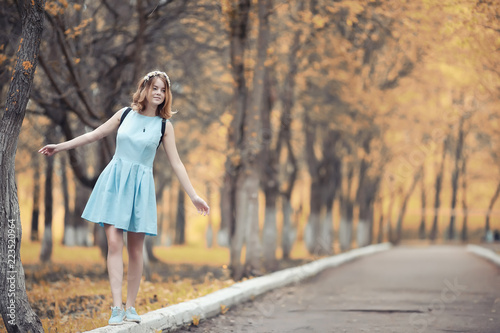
<point>139,100</point>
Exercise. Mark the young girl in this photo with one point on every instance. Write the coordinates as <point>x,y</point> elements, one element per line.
<point>123,198</point>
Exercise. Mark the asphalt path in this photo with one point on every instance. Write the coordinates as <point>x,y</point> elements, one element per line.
<point>405,289</point>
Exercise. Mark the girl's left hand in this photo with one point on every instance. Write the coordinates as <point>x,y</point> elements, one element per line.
<point>201,205</point>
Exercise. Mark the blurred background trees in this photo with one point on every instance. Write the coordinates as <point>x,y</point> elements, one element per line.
<point>319,124</point>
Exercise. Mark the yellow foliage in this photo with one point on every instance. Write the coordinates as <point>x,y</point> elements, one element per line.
<point>3,58</point>
<point>54,8</point>
<point>77,31</point>
<point>319,21</point>
<point>27,65</point>
<point>196,320</point>
<point>74,302</point>
<point>223,309</point>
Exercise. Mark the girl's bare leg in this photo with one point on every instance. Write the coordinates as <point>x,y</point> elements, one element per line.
<point>115,262</point>
<point>135,242</point>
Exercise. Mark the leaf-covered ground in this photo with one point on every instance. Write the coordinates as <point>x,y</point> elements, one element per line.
<point>71,293</point>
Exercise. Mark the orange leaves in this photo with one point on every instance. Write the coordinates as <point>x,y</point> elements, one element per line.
<point>27,65</point>
<point>3,58</point>
<point>73,303</point>
<point>223,309</point>
<point>54,8</point>
<point>319,21</point>
<point>77,31</point>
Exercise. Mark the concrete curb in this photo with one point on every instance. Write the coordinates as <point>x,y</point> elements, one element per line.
<point>176,316</point>
<point>484,252</point>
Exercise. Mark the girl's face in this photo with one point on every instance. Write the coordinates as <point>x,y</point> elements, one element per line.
<point>156,94</point>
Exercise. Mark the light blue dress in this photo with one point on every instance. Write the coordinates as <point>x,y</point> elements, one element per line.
<point>124,194</point>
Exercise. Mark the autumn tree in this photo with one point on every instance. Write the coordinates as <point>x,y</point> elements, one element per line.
<point>14,306</point>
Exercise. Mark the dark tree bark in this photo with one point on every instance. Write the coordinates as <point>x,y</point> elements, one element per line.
<point>380,237</point>
<point>288,233</point>
<point>402,212</point>
<point>487,227</point>
<point>423,207</point>
<point>79,225</point>
<point>180,220</point>
<point>67,212</point>
<point>238,34</point>
<point>346,210</point>
<point>366,202</point>
<point>247,190</point>
<point>365,196</point>
<point>46,251</point>
<point>438,185</point>
<point>455,178</point>
<point>14,305</point>
<point>325,180</point>
<point>209,234</point>
<point>463,236</point>
<point>390,233</point>
<point>101,240</point>
<point>270,182</point>
<point>35,214</point>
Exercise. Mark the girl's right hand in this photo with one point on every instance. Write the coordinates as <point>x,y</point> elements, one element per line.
<point>48,150</point>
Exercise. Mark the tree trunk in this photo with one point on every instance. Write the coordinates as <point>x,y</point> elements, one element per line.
<point>46,251</point>
<point>366,198</point>
<point>402,212</point>
<point>390,234</point>
<point>325,241</point>
<point>69,229</point>
<point>487,228</point>
<point>270,233</point>
<point>249,145</point>
<point>423,202</point>
<point>365,222</point>
<point>227,209</point>
<point>76,231</point>
<point>247,211</point>
<point>464,199</point>
<point>455,178</point>
<point>270,182</point>
<point>313,227</point>
<point>35,214</point>
<point>149,242</point>
<point>238,14</point>
<point>345,228</point>
<point>288,234</point>
<point>380,237</point>
<point>438,186</point>
<point>330,180</point>
<point>145,262</point>
<point>210,231</point>
<point>101,240</point>
<point>16,311</point>
<point>180,220</point>
<point>346,211</point>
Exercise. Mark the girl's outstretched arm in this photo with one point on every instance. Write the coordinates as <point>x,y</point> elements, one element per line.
<point>179,169</point>
<point>100,132</point>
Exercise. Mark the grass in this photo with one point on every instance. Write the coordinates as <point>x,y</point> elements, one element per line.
<point>71,293</point>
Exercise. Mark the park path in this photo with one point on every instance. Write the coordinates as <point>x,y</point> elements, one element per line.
<point>405,289</point>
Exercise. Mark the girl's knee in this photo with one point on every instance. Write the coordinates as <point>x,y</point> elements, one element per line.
<point>135,252</point>
<point>115,239</point>
<point>115,244</point>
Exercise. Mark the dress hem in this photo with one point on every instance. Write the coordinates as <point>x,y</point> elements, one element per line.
<point>137,232</point>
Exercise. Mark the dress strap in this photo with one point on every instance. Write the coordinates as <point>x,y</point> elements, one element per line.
<point>124,114</point>
<point>163,122</point>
